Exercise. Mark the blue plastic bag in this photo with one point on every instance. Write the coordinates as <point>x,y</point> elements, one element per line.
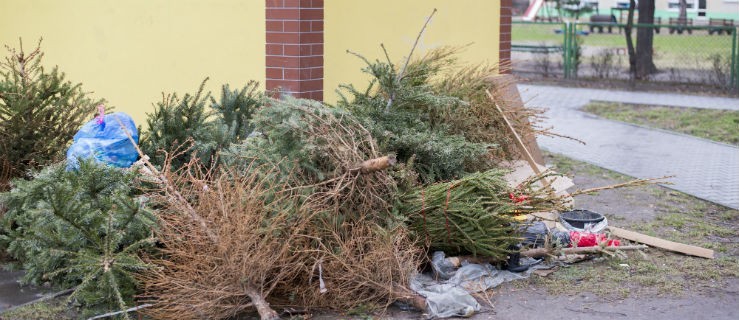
<point>104,140</point>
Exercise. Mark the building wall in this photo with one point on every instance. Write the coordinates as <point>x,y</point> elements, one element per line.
<point>725,9</point>
<point>128,52</point>
<point>361,26</point>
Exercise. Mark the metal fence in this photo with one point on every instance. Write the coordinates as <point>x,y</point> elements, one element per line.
<point>705,55</point>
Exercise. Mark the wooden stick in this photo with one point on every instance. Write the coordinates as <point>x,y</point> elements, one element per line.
<point>527,155</point>
<point>543,252</point>
<point>110,314</point>
<point>635,182</point>
<point>662,243</point>
<point>408,59</point>
<point>415,44</point>
<point>263,308</point>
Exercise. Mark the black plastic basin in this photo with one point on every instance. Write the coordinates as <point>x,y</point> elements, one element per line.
<point>579,218</point>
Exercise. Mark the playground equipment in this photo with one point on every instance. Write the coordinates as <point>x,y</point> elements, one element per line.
<point>532,10</point>
<point>549,8</point>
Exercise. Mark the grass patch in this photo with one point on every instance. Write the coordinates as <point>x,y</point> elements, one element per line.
<point>716,125</point>
<point>669,49</point>
<point>570,167</point>
<point>45,310</point>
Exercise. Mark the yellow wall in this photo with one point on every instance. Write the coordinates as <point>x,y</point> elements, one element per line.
<point>361,25</point>
<point>128,52</point>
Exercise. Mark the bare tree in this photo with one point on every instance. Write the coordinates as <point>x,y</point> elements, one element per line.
<point>645,41</point>
<point>629,41</point>
<point>683,17</point>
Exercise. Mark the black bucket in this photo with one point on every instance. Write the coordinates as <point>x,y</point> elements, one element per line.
<point>579,218</point>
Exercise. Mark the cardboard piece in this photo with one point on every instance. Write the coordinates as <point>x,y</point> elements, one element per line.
<point>545,272</point>
<point>522,171</point>
<point>662,243</point>
<point>550,219</point>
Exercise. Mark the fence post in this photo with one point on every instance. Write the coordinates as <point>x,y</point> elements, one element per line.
<point>566,49</point>
<point>573,49</point>
<point>735,61</point>
<point>570,32</point>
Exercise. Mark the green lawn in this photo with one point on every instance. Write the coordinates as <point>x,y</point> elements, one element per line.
<point>717,125</point>
<point>684,51</point>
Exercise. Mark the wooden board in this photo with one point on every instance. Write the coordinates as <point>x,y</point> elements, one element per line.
<point>662,243</point>
<point>505,86</point>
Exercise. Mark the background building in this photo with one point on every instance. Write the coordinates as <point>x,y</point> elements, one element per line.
<point>130,52</point>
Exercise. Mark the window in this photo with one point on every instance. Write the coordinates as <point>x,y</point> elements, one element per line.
<point>674,5</point>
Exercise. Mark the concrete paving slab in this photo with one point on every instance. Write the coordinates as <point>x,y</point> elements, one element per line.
<point>705,169</point>
<point>13,294</point>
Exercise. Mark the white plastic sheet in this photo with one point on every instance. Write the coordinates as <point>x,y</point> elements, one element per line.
<point>451,294</point>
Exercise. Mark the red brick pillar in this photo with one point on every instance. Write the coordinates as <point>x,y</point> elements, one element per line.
<point>295,47</point>
<point>506,7</point>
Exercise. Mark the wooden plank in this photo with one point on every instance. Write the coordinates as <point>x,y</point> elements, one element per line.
<point>507,93</point>
<point>520,143</point>
<point>662,243</point>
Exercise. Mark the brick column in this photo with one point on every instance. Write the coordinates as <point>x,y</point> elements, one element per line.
<point>294,47</point>
<point>506,7</point>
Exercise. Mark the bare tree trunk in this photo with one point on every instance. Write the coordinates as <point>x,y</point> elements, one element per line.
<point>683,17</point>
<point>629,41</point>
<point>262,306</point>
<point>644,41</point>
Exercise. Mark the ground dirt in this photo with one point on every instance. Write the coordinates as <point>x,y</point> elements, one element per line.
<point>659,285</point>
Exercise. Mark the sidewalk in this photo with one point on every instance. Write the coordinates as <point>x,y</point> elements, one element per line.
<point>703,168</point>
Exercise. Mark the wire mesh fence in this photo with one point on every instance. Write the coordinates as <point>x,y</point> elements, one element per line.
<point>705,55</point>
<point>538,48</point>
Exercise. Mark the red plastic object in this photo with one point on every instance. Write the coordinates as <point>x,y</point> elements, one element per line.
<point>518,199</point>
<point>588,239</point>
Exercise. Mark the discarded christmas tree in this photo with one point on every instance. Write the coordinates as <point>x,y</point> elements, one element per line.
<point>81,229</point>
<point>470,215</point>
<point>40,111</point>
<point>210,125</point>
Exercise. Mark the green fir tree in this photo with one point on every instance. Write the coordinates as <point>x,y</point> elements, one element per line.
<point>407,116</point>
<point>83,229</point>
<point>40,111</point>
<point>209,128</point>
